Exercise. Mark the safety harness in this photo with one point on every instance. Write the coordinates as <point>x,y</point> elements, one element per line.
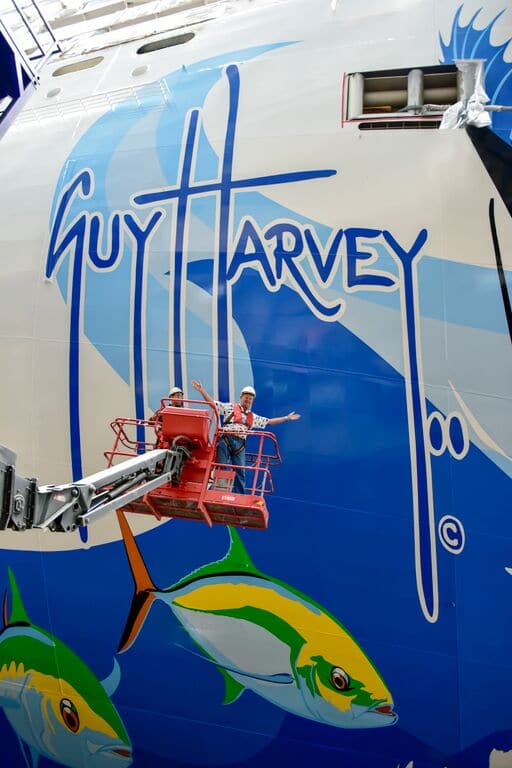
<point>237,417</point>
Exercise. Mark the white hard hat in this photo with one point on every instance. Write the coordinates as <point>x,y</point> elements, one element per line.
<point>248,391</point>
<point>175,391</point>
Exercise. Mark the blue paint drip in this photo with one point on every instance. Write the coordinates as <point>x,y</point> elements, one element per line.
<point>426,543</point>
<point>183,195</point>
<point>138,368</point>
<point>419,445</point>
<point>138,295</point>
<point>74,365</point>
<point>225,200</point>
<point>77,233</point>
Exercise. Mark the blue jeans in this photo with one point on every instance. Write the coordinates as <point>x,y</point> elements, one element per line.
<point>231,450</point>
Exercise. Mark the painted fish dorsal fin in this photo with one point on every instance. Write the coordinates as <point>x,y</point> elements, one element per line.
<point>236,559</point>
<point>18,612</point>
<point>237,555</point>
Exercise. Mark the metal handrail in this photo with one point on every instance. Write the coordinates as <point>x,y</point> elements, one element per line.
<point>262,481</point>
<point>123,438</point>
<point>22,60</point>
<point>256,461</point>
<point>18,52</point>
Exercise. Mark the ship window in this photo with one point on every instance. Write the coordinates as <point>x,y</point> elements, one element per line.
<point>77,66</point>
<point>422,91</point>
<point>167,42</point>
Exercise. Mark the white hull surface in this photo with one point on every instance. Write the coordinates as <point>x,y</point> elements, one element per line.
<point>216,210</point>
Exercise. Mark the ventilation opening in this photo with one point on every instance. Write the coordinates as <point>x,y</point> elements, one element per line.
<point>402,92</point>
<point>78,66</point>
<point>167,42</point>
<point>383,125</point>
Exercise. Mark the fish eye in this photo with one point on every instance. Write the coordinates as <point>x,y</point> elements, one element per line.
<point>69,714</point>
<point>340,679</point>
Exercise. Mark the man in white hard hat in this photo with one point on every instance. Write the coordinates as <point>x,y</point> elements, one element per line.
<point>238,420</point>
<point>176,398</point>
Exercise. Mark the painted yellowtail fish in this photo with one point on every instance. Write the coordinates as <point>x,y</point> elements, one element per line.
<point>55,704</point>
<point>267,637</point>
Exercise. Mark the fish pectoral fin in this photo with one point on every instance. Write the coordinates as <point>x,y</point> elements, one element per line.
<point>111,683</point>
<point>34,756</point>
<point>234,688</point>
<point>280,678</point>
<point>30,755</point>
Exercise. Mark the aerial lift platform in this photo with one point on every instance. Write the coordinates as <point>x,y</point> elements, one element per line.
<point>173,475</point>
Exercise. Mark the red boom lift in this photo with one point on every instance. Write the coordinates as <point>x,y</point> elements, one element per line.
<point>174,474</point>
<point>202,490</point>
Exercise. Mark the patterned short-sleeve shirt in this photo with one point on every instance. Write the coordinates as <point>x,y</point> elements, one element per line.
<point>226,410</point>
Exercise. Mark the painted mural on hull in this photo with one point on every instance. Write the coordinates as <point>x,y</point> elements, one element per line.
<point>249,625</point>
<point>186,246</point>
<point>55,705</point>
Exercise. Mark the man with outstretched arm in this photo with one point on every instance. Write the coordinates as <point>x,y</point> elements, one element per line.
<point>238,420</point>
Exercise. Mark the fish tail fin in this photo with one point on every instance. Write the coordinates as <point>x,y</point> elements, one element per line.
<point>145,588</point>
<point>139,609</point>
<point>140,573</point>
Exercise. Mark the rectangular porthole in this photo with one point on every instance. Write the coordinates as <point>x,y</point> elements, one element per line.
<point>419,94</point>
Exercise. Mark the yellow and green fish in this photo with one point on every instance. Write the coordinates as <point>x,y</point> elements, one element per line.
<point>267,637</point>
<point>55,704</point>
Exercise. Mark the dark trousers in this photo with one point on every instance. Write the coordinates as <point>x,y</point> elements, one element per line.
<point>231,450</point>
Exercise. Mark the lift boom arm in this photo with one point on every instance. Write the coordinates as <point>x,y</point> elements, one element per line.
<point>24,504</point>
